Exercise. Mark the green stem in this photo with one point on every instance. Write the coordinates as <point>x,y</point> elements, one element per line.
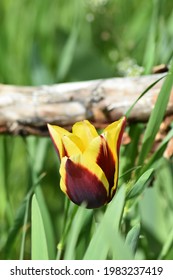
<point>22,248</point>
<point>67,225</point>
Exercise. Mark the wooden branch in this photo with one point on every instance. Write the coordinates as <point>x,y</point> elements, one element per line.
<point>27,110</point>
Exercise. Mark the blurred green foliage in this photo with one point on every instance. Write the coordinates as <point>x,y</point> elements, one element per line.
<point>45,42</point>
<point>60,40</point>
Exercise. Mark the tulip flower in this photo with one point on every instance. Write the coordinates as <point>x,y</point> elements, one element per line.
<point>89,162</point>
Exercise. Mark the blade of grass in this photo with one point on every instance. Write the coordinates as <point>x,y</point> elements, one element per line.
<point>47,222</point>
<point>81,216</point>
<point>70,214</point>
<point>20,221</point>
<point>156,116</point>
<point>12,234</point>
<point>166,181</point>
<point>152,213</point>
<point>26,214</point>
<point>141,95</point>
<point>39,245</point>
<point>140,185</point>
<point>38,152</point>
<point>128,171</point>
<point>164,173</point>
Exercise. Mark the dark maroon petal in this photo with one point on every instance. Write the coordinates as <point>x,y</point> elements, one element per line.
<point>84,186</point>
<point>106,161</point>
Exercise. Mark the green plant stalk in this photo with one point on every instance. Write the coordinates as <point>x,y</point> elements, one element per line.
<point>127,114</point>
<point>156,117</point>
<point>60,246</point>
<point>22,248</point>
<point>66,209</point>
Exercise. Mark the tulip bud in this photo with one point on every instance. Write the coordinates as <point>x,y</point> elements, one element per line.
<point>89,161</point>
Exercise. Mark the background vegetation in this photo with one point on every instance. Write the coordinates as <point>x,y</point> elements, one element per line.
<point>45,42</point>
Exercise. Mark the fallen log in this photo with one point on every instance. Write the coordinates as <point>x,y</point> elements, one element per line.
<point>27,109</point>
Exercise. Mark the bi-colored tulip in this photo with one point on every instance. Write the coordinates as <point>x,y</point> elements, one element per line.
<point>89,162</point>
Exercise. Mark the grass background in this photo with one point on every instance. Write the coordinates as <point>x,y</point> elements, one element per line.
<point>45,42</point>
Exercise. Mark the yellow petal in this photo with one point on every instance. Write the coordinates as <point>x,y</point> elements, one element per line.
<point>62,185</point>
<point>99,151</point>
<point>113,134</point>
<point>56,134</point>
<point>72,145</point>
<point>111,140</point>
<point>93,149</point>
<point>117,125</point>
<point>58,129</point>
<point>85,131</point>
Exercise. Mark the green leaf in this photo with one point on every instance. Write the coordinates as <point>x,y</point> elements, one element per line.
<point>152,213</point>
<point>81,216</point>
<point>39,147</point>
<point>39,246</point>
<point>141,95</point>
<point>140,185</point>
<point>24,232</point>
<point>156,116</point>
<point>16,226</point>
<point>20,221</point>
<point>47,222</point>
<point>107,238</point>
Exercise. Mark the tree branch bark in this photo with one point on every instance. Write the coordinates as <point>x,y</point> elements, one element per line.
<point>27,110</point>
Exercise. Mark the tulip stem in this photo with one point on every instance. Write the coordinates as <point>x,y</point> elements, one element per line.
<point>66,209</point>
<point>61,243</point>
<point>68,218</point>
